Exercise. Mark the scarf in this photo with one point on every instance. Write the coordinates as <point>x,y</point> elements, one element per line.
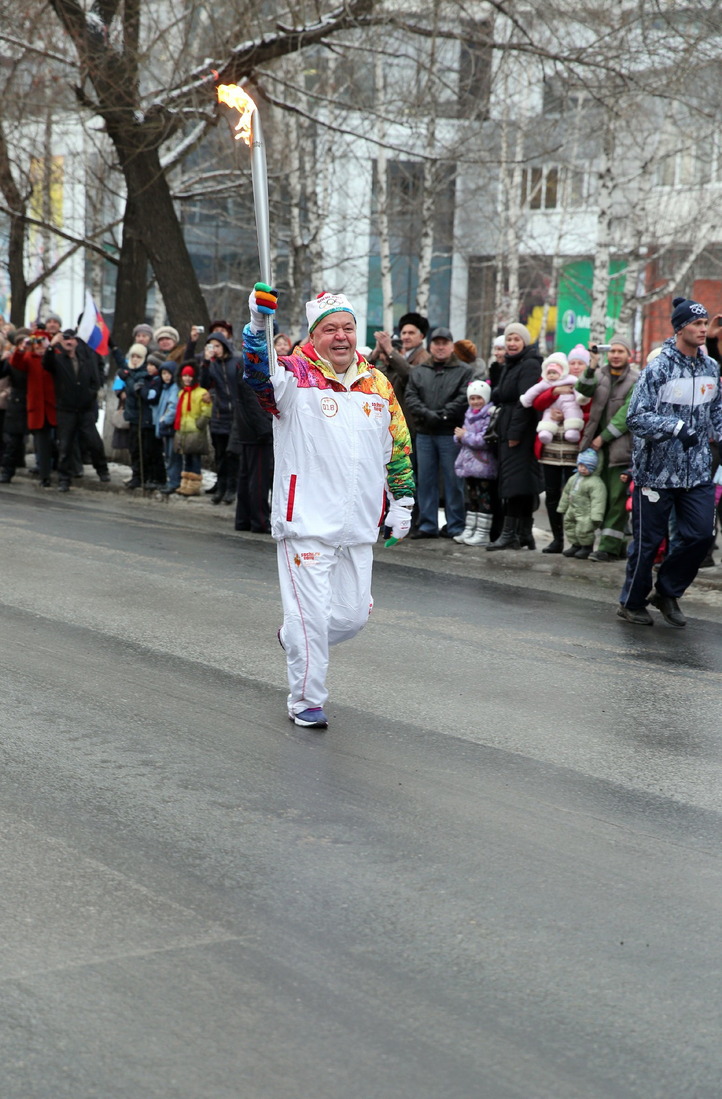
<point>184,402</point>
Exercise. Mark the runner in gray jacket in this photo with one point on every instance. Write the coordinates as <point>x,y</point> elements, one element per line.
<point>674,411</point>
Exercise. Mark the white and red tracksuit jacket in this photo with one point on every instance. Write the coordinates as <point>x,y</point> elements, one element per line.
<point>337,446</point>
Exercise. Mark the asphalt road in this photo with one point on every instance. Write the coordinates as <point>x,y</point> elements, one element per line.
<point>496,875</point>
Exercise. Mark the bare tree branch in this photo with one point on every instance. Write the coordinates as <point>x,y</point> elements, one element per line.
<point>80,242</point>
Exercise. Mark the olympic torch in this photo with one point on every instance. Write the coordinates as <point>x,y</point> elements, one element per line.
<point>249,129</point>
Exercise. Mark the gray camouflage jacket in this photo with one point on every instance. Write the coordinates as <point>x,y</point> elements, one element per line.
<point>671,391</point>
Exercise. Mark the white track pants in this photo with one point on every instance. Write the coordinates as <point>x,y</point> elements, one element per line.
<point>326,596</point>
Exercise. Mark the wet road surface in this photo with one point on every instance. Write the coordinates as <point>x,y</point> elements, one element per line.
<point>497,874</point>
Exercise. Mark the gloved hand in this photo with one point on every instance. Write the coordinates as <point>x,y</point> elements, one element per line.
<point>433,419</point>
<point>262,302</point>
<point>687,436</point>
<point>398,519</point>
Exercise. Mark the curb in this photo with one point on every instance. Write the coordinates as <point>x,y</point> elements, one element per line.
<point>442,553</point>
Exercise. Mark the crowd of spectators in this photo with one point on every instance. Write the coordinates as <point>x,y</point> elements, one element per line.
<point>496,437</point>
<point>488,438</point>
<point>172,406</point>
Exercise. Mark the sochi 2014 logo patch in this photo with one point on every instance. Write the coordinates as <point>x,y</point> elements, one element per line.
<point>306,559</point>
<point>329,406</point>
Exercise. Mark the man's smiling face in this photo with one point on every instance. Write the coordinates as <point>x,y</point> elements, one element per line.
<point>335,340</point>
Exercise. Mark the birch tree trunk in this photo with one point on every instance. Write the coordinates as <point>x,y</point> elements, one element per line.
<point>295,240</point>
<point>600,282</point>
<point>514,222</point>
<point>46,207</point>
<point>382,202</point>
<point>500,312</point>
<point>430,180</point>
<point>428,203</point>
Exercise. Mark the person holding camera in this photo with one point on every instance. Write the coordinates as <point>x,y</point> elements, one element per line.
<point>674,412</point>
<point>40,401</point>
<point>75,369</point>
<point>610,388</point>
<point>396,356</point>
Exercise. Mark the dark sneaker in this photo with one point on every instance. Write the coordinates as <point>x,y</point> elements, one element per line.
<point>572,551</point>
<point>313,718</point>
<point>669,608</point>
<point>638,617</point>
<point>104,477</point>
<point>602,555</point>
<point>583,552</point>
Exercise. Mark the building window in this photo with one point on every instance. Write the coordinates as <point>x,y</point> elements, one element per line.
<point>688,167</point>
<point>559,98</point>
<point>553,187</point>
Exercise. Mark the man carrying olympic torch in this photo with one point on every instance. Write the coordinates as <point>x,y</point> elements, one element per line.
<point>340,443</point>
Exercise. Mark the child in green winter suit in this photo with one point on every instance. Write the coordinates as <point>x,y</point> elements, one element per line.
<point>583,504</point>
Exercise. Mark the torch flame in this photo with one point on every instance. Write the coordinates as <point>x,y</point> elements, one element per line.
<point>241,101</point>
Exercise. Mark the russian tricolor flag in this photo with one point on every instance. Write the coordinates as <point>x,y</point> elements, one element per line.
<point>92,328</point>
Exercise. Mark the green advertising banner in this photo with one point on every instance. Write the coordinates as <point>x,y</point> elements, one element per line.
<point>574,303</point>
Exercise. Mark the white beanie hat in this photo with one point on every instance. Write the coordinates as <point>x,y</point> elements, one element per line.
<point>479,389</point>
<point>326,303</point>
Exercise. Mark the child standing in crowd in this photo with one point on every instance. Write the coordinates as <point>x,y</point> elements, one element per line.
<point>477,465</point>
<point>192,417</point>
<point>583,503</point>
<point>165,429</point>
<point>138,411</point>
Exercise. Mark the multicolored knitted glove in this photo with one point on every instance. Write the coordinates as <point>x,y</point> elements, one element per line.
<point>263,303</point>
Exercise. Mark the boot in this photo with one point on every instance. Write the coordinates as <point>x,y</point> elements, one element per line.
<point>509,537</point>
<point>526,537</point>
<point>220,491</point>
<point>469,529</point>
<point>194,483</point>
<point>183,488</point>
<point>557,543</point>
<point>480,537</point>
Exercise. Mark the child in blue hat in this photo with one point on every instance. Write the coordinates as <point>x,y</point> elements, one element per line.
<point>583,504</point>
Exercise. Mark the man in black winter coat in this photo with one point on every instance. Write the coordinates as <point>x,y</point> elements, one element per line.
<point>74,367</point>
<point>436,400</point>
<point>252,440</point>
